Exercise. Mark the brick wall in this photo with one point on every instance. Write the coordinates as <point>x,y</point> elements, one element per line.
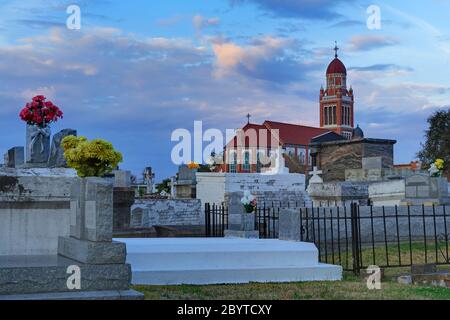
<point>173,212</point>
<point>337,157</point>
<point>214,187</point>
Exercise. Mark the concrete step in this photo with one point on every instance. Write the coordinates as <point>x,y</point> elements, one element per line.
<point>224,260</point>
<point>207,253</point>
<point>319,272</point>
<point>43,274</point>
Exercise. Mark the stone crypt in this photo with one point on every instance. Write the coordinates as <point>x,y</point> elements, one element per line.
<point>55,227</point>
<point>239,258</point>
<point>50,220</point>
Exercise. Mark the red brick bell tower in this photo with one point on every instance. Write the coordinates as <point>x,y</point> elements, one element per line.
<point>336,102</point>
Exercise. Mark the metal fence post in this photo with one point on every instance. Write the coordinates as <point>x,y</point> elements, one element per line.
<point>355,239</point>
<point>207,220</point>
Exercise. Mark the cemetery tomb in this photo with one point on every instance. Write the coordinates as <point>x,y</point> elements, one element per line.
<point>224,261</point>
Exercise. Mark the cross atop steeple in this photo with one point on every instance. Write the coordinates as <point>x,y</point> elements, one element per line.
<point>248,118</point>
<point>336,49</point>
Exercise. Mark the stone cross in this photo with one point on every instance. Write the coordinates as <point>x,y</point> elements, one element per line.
<point>315,176</point>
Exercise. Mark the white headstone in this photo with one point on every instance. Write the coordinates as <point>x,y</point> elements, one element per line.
<point>315,176</point>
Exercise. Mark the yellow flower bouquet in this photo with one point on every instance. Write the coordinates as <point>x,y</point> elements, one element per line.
<point>90,158</point>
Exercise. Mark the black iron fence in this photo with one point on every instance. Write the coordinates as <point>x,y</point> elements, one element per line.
<point>216,220</point>
<point>357,237</point>
<point>266,221</point>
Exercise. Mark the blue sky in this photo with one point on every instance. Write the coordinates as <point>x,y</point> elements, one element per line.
<point>137,70</point>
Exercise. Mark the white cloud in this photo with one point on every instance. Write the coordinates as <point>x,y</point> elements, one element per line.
<point>370,42</point>
<point>200,23</point>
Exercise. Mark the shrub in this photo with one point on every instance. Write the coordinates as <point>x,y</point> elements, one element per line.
<point>90,158</point>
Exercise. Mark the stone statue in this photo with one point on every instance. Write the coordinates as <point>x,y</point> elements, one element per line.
<point>280,165</point>
<point>148,179</point>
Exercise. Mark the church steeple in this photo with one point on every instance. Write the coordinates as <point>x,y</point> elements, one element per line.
<point>336,102</point>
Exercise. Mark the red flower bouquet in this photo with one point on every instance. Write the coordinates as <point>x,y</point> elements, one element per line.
<point>40,112</point>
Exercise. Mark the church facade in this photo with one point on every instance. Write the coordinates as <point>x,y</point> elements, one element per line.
<point>255,142</point>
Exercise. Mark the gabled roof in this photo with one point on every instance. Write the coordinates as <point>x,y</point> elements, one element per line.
<point>289,133</point>
<point>295,134</point>
<point>256,127</point>
<point>328,136</point>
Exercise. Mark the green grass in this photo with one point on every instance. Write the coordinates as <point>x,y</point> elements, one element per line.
<point>416,255</point>
<point>350,288</point>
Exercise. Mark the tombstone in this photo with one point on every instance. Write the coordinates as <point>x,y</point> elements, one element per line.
<point>5,159</point>
<point>315,176</point>
<point>240,223</point>
<point>289,222</point>
<point>123,199</point>
<point>122,179</point>
<point>185,184</point>
<point>421,189</point>
<point>338,193</point>
<point>185,174</point>
<point>417,186</point>
<point>44,270</point>
<point>38,144</point>
<point>56,158</point>
<point>136,217</point>
<point>16,157</point>
<point>372,163</point>
<point>91,224</point>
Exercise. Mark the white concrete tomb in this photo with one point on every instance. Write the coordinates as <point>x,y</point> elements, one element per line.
<point>174,261</point>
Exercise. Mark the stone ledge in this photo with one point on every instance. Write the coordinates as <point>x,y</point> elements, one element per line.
<point>53,278</point>
<point>85,295</point>
<point>92,252</point>
<point>241,234</point>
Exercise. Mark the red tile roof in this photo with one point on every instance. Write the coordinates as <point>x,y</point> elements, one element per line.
<point>289,133</point>
<point>256,127</point>
<point>295,134</point>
